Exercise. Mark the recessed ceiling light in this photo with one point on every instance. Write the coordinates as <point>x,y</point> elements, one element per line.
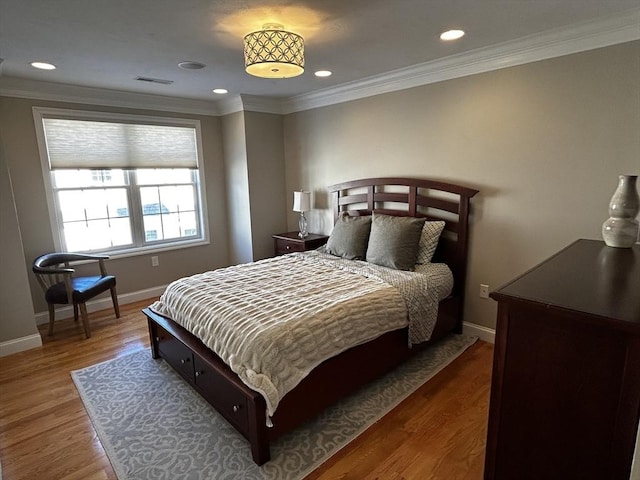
<point>43,65</point>
<point>220,91</point>
<point>189,65</point>
<point>451,35</point>
<point>323,73</point>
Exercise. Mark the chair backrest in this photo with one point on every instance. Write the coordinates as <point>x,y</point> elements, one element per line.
<point>53,268</point>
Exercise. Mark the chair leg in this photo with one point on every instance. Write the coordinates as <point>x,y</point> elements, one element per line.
<point>75,312</point>
<point>52,317</point>
<point>114,298</point>
<point>85,320</point>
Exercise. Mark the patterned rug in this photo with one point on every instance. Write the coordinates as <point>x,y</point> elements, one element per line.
<point>153,426</point>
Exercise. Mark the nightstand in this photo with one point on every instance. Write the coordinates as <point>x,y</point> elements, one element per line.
<point>289,242</point>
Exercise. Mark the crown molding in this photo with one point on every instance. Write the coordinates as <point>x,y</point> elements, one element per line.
<point>34,89</point>
<point>230,105</point>
<point>254,103</point>
<point>577,38</point>
<point>250,103</point>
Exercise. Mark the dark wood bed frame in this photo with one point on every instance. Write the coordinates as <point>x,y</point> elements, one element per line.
<point>343,374</point>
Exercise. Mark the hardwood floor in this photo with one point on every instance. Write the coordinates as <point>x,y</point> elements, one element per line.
<point>437,433</point>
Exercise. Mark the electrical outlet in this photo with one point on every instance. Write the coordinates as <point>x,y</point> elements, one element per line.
<point>484,291</point>
<point>155,261</point>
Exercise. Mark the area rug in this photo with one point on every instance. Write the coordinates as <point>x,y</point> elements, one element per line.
<point>153,426</point>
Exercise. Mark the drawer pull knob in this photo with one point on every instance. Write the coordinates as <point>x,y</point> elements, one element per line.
<point>157,339</point>
<point>288,247</point>
<point>236,408</point>
<point>184,360</point>
<point>198,373</point>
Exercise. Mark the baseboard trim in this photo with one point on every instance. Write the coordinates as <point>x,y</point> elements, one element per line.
<point>103,303</point>
<point>20,344</point>
<point>485,334</point>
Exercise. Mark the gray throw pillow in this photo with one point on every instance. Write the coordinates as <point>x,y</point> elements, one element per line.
<point>394,241</point>
<point>429,240</point>
<point>349,237</point>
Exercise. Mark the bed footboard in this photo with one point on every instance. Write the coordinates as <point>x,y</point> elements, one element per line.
<point>242,407</point>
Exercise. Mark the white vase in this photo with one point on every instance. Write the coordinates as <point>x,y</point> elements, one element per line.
<point>621,229</point>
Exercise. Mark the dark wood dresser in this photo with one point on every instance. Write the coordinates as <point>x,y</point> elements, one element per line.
<point>289,242</point>
<point>565,394</point>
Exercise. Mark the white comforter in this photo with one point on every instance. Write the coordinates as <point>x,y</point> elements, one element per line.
<point>274,320</point>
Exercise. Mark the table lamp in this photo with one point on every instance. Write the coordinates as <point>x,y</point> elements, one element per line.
<point>302,203</point>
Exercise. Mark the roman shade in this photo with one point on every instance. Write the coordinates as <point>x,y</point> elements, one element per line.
<point>87,144</point>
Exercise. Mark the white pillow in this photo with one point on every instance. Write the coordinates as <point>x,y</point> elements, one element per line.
<point>429,240</point>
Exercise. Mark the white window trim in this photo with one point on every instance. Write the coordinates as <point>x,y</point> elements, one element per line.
<point>55,214</point>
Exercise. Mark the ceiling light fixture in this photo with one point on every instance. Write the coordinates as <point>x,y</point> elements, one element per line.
<point>220,91</point>
<point>43,65</point>
<point>273,53</point>
<point>323,73</point>
<point>451,35</point>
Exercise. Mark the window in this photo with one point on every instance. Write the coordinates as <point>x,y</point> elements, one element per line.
<point>121,183</point>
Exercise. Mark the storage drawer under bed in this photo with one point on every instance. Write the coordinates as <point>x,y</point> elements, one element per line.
<point>175,353</point>
<point>229,401</point>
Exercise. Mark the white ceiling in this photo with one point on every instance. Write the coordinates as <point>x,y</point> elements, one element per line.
<point>108,43</point>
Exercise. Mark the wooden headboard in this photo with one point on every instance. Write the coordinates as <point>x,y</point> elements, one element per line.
<point>416,197</point>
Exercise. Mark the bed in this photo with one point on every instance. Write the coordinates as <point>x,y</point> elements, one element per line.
<point>393,316</point>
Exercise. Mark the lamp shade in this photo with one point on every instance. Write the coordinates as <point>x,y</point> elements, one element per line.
<point>273,53</point>
<point>301,201</point>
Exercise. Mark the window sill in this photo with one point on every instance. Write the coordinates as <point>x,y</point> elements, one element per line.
<point>134,252</point>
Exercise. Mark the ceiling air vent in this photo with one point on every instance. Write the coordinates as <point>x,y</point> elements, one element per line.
<point>154,80</point>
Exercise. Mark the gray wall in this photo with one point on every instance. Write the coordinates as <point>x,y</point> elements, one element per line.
<point>237,175</point>
<point>265,158</point>
<point>543,142</point>
<point>254,166</point>
<point>17,318</point>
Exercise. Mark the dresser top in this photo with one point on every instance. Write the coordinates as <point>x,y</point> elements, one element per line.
<point>587,276</point>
